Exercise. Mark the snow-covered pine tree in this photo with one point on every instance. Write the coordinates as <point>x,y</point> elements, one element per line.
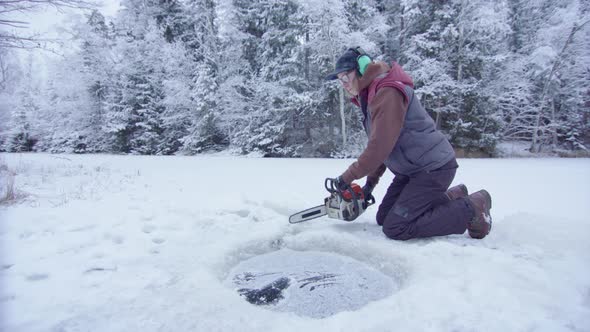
<point>272,47</point>
<point>22,135</point>
<point>90,72</point>
<point>331,123</point>
<point>478,35</point>
<point>178,102</point>
<point>201,37</point>
<point>452,56</point>
<point>562,64</point>
<point>428,30</point>
<point>391,43</point>
<point>544,43</point>
<point>188,76</point>
<point>573,132</point>
<point>135,115</point>
<point>10,78</point>
<point>143,92</point>
<point>511,87</point>
<point>319,117</point>
<point>67,110</point>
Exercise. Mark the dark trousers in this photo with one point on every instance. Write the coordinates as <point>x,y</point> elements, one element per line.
<point>417,206</point>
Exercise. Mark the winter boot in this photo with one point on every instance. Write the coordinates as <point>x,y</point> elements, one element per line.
<point>457,191</point>
<point>481,224</point>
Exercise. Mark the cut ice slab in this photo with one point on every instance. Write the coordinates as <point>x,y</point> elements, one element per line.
<point>309,283</point>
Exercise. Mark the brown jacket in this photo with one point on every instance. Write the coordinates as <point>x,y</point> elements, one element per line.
<point>387,109</point>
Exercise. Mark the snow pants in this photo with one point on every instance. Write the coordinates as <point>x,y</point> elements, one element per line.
<point>417,206</point>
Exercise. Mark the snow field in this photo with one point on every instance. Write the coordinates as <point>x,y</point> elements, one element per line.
<point>124,243</point>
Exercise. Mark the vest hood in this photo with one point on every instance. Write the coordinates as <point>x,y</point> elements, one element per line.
<point>395,73</point>
<point>393,76</point>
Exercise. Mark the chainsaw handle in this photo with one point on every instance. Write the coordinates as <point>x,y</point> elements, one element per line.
<point>330,185</point>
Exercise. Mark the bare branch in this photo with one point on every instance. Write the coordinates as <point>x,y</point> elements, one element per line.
<point>26,42</point>
<point>55,3</point>
<point>3,72</point>
<point>14,40</point>
<point>536,137</point>
<point>22,9</point>
<point>14,24</point>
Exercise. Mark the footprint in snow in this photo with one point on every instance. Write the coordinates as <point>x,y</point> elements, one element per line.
<point>25,235</point>
<point>37,276</point>
<point>100,269</point>
<point>147,217</point>
<point>116,239</point>
<point>6,298</point>
<point>158,240</point>
<point>148,229</point>
<point>241,213</point>
<point>82,228</point>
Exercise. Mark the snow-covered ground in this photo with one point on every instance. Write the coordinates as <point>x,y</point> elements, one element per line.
<point>130,243</point>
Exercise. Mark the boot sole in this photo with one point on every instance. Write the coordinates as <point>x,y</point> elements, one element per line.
<point>489,201</point>
<point>488,198</point>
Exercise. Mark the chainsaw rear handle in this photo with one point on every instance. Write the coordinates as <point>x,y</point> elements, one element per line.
<point>370,200</point>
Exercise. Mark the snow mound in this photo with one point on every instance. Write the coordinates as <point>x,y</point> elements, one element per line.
<point>309,283</point>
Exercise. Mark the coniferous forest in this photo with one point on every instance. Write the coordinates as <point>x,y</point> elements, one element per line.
<point>195,76</point>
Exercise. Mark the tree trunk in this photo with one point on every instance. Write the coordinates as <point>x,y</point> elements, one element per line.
<point>331,127</point>
<point>461,43</point>
<point>306,56</point>
<point>437,121</point>
<point>401,32</point>
<point>342,116</point>
<point>553,127</point>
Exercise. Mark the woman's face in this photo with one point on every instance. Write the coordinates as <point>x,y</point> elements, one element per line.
<point>349,81</point>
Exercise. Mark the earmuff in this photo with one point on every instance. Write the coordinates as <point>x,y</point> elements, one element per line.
<point>363,60</point>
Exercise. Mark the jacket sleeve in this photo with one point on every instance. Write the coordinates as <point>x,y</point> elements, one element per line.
<point>388,110</point>
<point>374,176</point>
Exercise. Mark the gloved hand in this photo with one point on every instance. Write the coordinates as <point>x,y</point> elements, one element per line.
<point>340,184</point>
<point>368,190</point>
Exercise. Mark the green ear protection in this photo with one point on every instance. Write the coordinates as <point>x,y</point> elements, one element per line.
<point>363,60</point>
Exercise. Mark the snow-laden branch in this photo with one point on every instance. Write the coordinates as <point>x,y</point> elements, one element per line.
<point>535,146</point>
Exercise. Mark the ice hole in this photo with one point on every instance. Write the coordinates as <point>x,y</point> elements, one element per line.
<point>309,283</point>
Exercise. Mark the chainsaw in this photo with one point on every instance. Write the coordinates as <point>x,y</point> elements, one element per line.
<point>344,205</point>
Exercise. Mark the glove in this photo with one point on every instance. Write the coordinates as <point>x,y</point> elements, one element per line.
<point>368,190</point>
<point>340,184</point>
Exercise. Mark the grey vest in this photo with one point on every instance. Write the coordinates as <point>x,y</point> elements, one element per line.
<point>420,147</point>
